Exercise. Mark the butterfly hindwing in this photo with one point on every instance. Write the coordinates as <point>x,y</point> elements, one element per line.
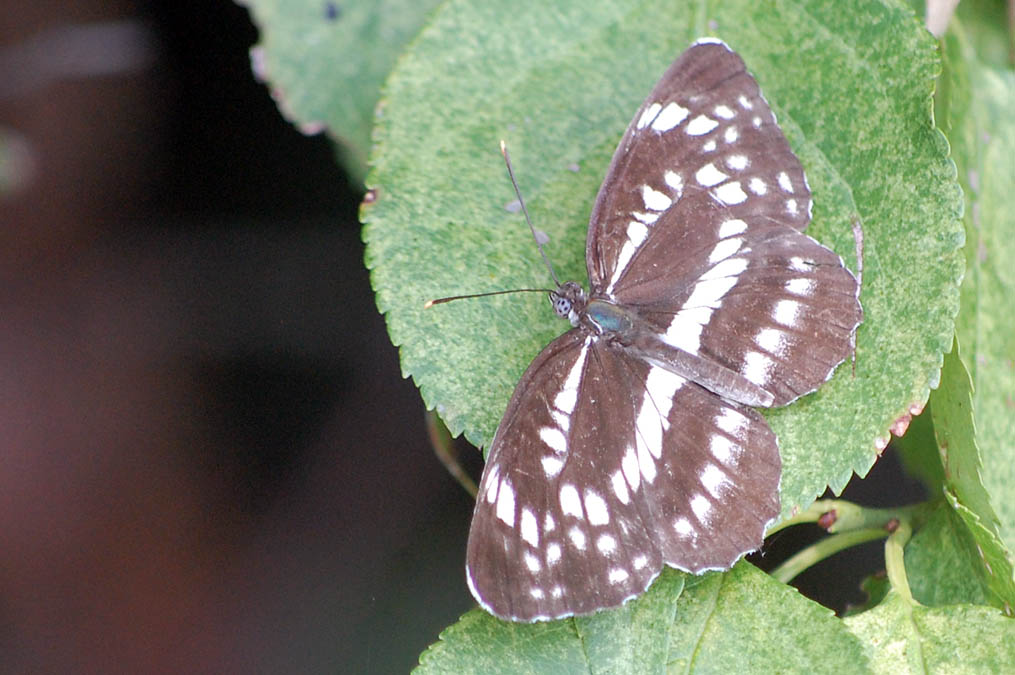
<point>609,474</point>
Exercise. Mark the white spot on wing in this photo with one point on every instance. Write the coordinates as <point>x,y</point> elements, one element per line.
<point>568,396</point>
<point>709,146</point>
<point>724,112</point>
<point>800,286</point>
<point>660,387</point>
<point>737,162</point>
<point>723,449</point>
<point>506,503</point>
<point>674,180</point>
<point>530,530</point>
<point>791,207</point>
<point>702,508</point>
<point>563,420</point>
<point>640,561</point>
<point>700,125</point>
<point>730,268</point>
<point>708,175</point>
<point>532,562</point>
<point>672,115</point>
<point>724,249</point>
<point>620,486</point>
<point>731,134</point>
<point>577,538</point>
<point>786,312</point>
<point>730,193</point>
<point>492,483</point>
<point>536,593</point>
<point>552,553</point>
<point>772,341</point>
<point>552,465</point>
<point>655,200</point>
<point>595,507</point>
<point>557,592</point>
<point>570,502</point>
<point>714,480</point>
<point>757,368</point>
<point>649,115</point>
<point>629,465</point>
<point>646,464</point>
<point>606,544</point>
<point>732,227</point>
<point>683,527</point>
<point>732,422</point>
<point>636,232</point>
<point>626,253</point>
<point>618,575</point>
<point>554,439</point>
<point>684,331</point>
<point>744,103</point>
<point>784,182</point>
<point>548,523</point>
<point>647,218</point>
<point>757,186</point>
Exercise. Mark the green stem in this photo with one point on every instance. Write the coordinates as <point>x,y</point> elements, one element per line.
<point>825,548</point>
<point>444,448</point>
<point>895,564</point>
<point>851,524</point>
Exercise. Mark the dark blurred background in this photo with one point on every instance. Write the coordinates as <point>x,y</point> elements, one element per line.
<point>209,461</point>
<point>208,458</point>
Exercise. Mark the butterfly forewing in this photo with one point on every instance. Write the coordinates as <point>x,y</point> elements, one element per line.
<point>704,139</point>
<point>699,225</point>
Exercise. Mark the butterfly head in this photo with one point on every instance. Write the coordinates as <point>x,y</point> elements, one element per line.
<point>569,301</point>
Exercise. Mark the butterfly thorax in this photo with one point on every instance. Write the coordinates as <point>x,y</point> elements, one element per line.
<point>595,315</point>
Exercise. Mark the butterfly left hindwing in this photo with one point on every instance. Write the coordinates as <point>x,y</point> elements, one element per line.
<point>601,472</point>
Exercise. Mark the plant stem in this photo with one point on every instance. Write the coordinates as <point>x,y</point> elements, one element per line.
<point>825,548</point>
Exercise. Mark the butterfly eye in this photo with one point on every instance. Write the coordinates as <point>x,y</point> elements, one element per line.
<point>561,305</point>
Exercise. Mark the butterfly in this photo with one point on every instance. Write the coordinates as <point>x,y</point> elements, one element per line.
<point>632,440</point>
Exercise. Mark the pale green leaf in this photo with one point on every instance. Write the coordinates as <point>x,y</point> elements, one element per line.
<point>942,564</point>
<point>846,87</point>
<point>977,107</point>
<point>742,621</point>
<point>901,638</point>
<point>325,61</point>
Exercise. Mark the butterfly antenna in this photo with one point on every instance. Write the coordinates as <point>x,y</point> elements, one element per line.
<point>440,301</point>
<point>514,183</point>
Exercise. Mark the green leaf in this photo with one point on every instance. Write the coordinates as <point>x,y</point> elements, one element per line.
<point>995,558</point>
<point>942,564</point>
<point>325,62</point>
<point>629,639</point>
<point>741,621</point>
<point>846,86</point>
<point>745,621</point>
<point>976,105</point>
<point>901,638</point>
